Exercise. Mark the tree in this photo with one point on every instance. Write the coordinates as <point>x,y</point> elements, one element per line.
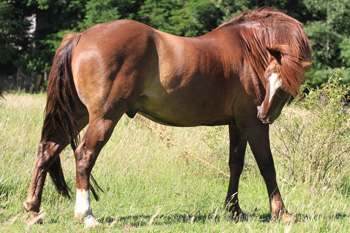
<point>98,11</point>
<point>184,18</point>
<point>54,18</point>
<point>328,29</point>
<point>14,37</point>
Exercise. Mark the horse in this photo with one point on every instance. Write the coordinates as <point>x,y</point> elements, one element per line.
<point>241,74</point>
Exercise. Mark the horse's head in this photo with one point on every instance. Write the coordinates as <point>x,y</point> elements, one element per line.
<point>283,77</point>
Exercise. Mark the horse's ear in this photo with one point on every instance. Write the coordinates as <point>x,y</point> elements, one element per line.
<point>276,53</point>
<point>306,64</point>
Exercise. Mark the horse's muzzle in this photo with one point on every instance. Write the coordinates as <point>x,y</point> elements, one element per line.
<point>264,120</point>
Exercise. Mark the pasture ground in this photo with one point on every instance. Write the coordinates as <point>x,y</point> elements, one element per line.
<point>165,179</point>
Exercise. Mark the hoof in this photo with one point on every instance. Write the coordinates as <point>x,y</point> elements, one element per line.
<point>25,206</point>
<point>34,215</point>
<point>237,214</point>
<point>35,218</point>
<point>30,206</point>
<point>80,216</point>
<point>289,218</point>
<point>91,222</point>
<point>285,217</point>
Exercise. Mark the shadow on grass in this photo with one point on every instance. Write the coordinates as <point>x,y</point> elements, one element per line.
<point>305,217</point>
<point>144,220</point>
<point>298,217</point>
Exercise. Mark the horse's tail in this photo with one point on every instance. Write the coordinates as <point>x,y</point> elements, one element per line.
<point>60,120</point>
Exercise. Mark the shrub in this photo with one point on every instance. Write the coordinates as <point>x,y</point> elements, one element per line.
<point>313,135</point>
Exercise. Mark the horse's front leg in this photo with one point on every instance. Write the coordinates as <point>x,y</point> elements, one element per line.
<point>97,134</point>
<point>258,138</point>
<point>238,145</point>
<point>47,156</point>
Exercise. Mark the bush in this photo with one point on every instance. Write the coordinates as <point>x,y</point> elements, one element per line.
<point>313,135</point>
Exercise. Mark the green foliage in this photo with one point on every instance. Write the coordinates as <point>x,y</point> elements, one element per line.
<point>14,39</point>
<point>328,28</point>
<point>54,18</point>
<point>314,135</point>
<point>345,51</point>
<point>6,50</point>
<point>108,10</point>
<point>184,18</point>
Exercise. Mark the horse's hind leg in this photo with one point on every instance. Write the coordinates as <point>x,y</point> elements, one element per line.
<point>47,155</point>
<point>238,145</point>
<point>97,134</point>
<point>48,161</point>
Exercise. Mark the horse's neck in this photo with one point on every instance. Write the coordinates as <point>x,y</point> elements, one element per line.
<point>254,86</point>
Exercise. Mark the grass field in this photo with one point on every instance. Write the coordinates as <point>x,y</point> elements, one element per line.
<point>166,179</point>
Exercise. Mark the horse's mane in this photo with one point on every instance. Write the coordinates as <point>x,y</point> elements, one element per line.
<point>266,28</point>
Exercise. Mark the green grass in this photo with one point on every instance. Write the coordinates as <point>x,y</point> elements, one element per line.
<point>148,170</point>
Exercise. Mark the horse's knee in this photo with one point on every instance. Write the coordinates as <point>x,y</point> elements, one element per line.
<point>85,157</point>
<point>47,154</point>
<point>268,171</point>
<point>85,160</point>
<point>236,165</point>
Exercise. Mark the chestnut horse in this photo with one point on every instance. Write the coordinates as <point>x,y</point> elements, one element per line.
<point>241,74</point>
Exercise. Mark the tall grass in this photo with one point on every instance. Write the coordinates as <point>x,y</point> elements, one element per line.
<point>166,179</point>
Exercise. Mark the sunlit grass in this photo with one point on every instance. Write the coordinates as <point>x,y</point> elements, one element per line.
<point>152,181</point>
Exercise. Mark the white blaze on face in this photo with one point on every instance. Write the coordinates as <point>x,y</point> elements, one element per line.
<point>274,84</point>
<point>82,204</point>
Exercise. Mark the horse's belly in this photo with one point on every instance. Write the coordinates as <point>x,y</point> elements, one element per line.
<point>177,111</point>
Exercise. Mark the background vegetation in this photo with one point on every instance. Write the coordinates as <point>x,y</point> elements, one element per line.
<point>327,24</point>
<point>168,179</point>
